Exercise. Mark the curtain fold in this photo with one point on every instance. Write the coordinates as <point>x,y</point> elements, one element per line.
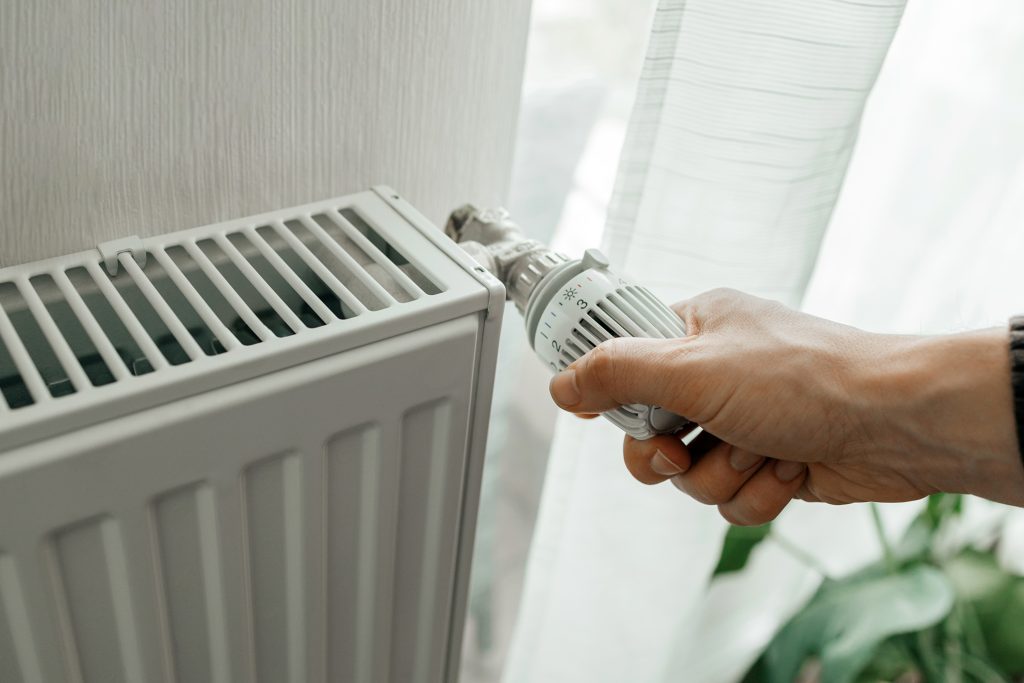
<point>744,122</point>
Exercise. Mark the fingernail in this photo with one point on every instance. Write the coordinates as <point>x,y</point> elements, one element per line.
<point>663,466</point>
<point>788,470</point>
<point>742,460</point>
<point>564,390</point>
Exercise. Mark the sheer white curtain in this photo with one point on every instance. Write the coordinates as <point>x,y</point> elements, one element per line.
<point>745,121</point>
<point>740,141</point>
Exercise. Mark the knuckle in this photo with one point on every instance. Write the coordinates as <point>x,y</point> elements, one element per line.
<point>693,312</point>
<point>720,297</point>
<point>600,363</point>
<point>707,308</point>
<point>759,511</point>
<point>633,450</point>
<point>684,349</point>
<point>729,515</point>
<point>639,471</point>
<point>699,492</point>
<point>724,293</point>
<point>680,483</point>
<point>705,499</point>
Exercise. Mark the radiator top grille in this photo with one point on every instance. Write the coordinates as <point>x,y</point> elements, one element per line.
<point>69,327</point>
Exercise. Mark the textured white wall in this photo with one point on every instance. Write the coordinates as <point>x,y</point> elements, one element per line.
<point>141,118</point>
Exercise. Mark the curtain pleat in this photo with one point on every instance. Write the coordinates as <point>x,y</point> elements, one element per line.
<point>744,122</point>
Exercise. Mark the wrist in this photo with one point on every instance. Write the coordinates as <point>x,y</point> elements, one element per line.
<point>950,409</point>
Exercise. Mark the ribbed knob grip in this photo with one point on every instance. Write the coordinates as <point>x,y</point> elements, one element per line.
<point>582,305</point>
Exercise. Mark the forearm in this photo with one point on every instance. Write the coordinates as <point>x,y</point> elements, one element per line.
<point>951,413</point>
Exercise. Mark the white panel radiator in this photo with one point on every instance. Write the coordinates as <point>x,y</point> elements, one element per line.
<point>256,457</point>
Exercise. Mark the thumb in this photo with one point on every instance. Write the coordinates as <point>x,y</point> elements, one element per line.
<point>622,371</point>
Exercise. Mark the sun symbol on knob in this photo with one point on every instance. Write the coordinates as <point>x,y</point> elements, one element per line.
<point>569,294</point>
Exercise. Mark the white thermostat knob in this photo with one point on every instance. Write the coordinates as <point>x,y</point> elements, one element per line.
<point>583,304</point>
<point>571,306</point>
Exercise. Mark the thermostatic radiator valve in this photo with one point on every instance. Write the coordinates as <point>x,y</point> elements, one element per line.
<point>569,306</point>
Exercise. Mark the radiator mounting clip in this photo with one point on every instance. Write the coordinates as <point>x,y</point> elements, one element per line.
<point>112,250</point>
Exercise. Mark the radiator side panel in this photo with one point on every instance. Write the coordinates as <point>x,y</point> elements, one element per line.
<point>10,668</point>
<point>189,567</point>
<point>361,518</point>
<point>303,526</point>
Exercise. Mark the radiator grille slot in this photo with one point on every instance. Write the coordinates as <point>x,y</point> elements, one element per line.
<point>226,319</point>
<point>142,305</point>
<point>12,386</point>
<point>391,271</point>
<point>340,268</point>
<point>330,304</point>
<point>67,326</point>
<point>73,331</point>
<point>392,253</point>
<point>123,351</point>
<point>185,312</point>
<point>268,317</point>
<point>50,373</point>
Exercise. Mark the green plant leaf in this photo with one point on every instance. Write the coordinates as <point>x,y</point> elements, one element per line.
<point>916,543</point>
<point>740,541</point>
<point>846,621</point>
<point>976,577</point>
<point>891,660</point>
<point>1004,634</point>
<point>942,506</point>
<point>997,600</point>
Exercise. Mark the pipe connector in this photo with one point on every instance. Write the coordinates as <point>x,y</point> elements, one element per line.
<point>498,244</point>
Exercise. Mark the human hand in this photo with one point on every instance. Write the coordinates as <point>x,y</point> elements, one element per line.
<point>811,409</point>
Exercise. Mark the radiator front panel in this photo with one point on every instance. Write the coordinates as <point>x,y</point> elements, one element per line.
<point>303,526</point>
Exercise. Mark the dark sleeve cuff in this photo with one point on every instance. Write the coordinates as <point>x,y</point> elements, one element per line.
<point>1017,376</point>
